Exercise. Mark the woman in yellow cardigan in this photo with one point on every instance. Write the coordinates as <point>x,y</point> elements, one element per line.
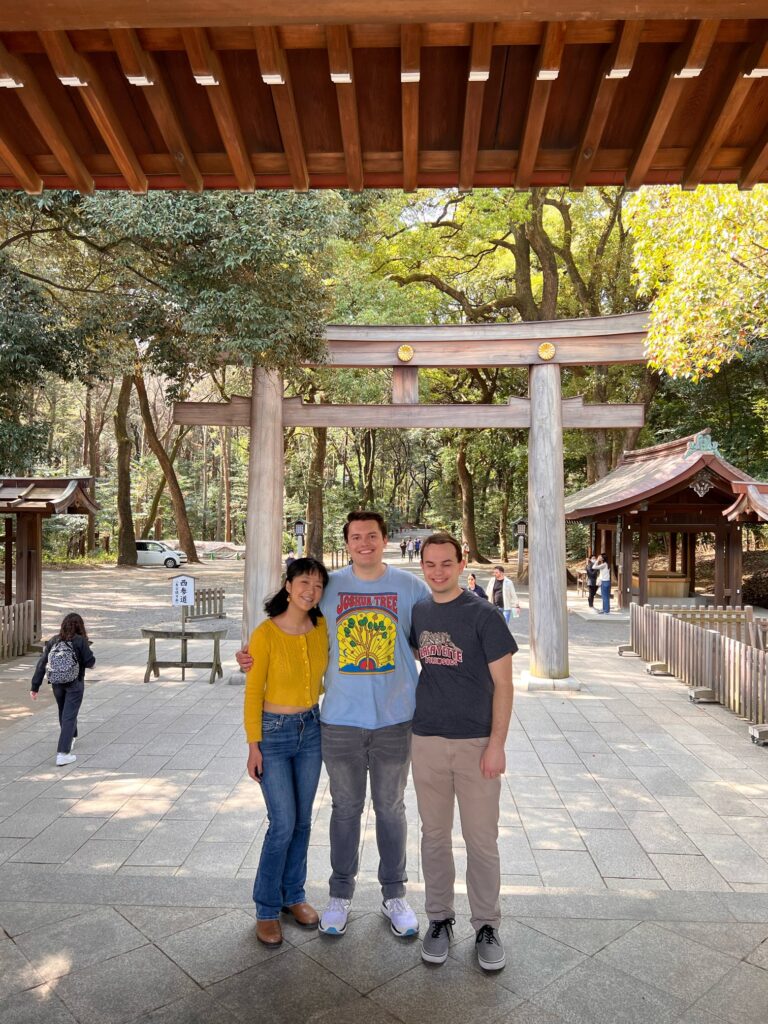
<point>282,726</point>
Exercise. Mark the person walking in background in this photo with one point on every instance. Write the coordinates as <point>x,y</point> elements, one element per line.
<point>65,657</point>
<point>463,707</point>
<point>410,547</point>
<point>504,594</point>
<point>592,574</point>
<point>403,545</point>
<point>417,546</point>
<point>465,551</point>
<point>473,587</point>
<point>603,567</point>
<point>282,726</point>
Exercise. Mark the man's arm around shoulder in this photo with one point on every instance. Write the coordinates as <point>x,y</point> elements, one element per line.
<point>494,762</point>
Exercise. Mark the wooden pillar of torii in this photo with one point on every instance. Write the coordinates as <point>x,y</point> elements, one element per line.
<point>542,347</point>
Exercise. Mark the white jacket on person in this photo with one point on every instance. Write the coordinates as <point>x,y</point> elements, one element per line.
<point>509,594</point>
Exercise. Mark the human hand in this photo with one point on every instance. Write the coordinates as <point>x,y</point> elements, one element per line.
<point>255,762</point>
<point>244,659</point>
<point>33,694</point>
<point>493,763</point>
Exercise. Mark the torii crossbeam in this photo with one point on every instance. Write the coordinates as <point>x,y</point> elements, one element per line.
<point>542,347</point>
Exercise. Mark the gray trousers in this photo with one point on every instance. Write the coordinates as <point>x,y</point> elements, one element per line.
<point>351,755</point>
<point>69,698</point>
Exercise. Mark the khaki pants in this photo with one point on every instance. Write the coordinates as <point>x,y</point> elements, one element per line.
<point>445,771</point>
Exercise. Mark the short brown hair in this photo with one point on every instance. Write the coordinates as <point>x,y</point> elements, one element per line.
<point>442,538</point>
<point>362,516</point>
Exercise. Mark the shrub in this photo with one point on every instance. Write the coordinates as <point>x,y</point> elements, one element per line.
<point>755,589</point>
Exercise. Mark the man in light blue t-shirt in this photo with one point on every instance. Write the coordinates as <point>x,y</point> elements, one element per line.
<point>370,687</point>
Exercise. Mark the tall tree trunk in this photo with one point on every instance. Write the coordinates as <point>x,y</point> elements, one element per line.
<point>467,501</point>
<point>315,525</point>
<point>204,527</point>
<point>504,520</point>
<point>369,461</point>
<point>89,442</point>
<point>226,473</point>
<point>174,490</point>
<point>149,524</point>
<point>126,537</point>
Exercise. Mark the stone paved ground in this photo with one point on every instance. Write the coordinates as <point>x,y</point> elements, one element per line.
<point>634,838</point>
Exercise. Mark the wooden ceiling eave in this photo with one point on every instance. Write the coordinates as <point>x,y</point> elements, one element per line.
<point>275,73</point>
<point>209,73</point>
<point>35,101</point>
<point>76,71</point>
<point>736,88</point>
<point>141,69</point>
<point>616,66</point>
<point>477,74</point>
<point>686,63</point>
<point>343,77</point>
<point>546,70</point>
<point>410,79</point>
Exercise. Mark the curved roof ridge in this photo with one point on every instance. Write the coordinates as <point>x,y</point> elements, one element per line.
<point>666,448</point>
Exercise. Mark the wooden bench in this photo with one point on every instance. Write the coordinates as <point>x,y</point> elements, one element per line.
<point>191,630</point>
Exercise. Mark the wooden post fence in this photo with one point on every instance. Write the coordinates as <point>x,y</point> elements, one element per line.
<point>708,648</point>
<point>17,628</point>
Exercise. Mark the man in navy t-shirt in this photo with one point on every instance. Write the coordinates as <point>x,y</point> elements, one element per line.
<point>463,707</point>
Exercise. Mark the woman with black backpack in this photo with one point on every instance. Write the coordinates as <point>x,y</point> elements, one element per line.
<point>65,657</point>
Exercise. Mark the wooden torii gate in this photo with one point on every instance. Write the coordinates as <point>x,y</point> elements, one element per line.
<point>543,347</point>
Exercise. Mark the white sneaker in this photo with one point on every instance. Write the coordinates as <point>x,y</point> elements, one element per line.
<point>402,919</point>
<point>334,917</point>
<point>62,759</point>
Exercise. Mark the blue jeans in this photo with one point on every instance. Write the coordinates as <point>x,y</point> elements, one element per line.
<point>290,747</point>
<point>605,593</point>
<point>507,613</point>
<point>351,755</point>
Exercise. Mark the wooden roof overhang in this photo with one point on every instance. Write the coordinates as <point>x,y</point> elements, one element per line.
<point>751,502</point>
<point>47,496</point>
<point>250,94</point>
<point>648,476</point>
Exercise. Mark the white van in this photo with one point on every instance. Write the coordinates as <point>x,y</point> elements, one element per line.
<point>156,552</point>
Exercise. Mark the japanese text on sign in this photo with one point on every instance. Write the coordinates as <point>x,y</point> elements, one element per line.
<point>182,590</point>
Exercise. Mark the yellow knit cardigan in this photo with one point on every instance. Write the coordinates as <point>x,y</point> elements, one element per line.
<point>286,670</point>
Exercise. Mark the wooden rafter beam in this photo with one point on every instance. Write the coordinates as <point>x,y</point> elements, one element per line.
<point>275,73</point>
<point>750,65</point>
<point>546,71</point>
<point>72,69</point>
<point>35,102</point>
<point>19,164</point>
<point>615,67</point>
<point>142,70</point>
<point>754,166</point>
<point>478,74</point>
<point>686,62</point>
<point>207,71</point>
<point>342,76</point>
<point>410,77</point>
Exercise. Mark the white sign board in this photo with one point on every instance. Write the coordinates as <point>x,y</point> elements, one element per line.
<point>182,590</point>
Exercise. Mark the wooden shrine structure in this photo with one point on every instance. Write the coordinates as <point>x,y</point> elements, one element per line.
<point>542,347</point>
<point>24,503</point>
<point>251,94</point>
<point>681,489</point>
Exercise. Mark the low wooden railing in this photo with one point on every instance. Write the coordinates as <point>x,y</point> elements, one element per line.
<point>703,654</point>
<point>17,628</point>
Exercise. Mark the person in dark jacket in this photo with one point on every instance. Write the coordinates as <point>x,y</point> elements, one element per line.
<point>474,587</point>
<point>69,695</point>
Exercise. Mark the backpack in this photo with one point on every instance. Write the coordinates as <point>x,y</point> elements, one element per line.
<point>63,663</point>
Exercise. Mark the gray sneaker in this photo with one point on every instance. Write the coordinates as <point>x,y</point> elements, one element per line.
<point>434,946</point>
<point>490,952</point>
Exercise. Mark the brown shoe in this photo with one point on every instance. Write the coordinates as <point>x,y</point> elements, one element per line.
<point>269,932</point>
<point>303,914</point>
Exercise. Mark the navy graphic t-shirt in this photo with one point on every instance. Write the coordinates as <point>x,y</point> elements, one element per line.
<point>455,642</point>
